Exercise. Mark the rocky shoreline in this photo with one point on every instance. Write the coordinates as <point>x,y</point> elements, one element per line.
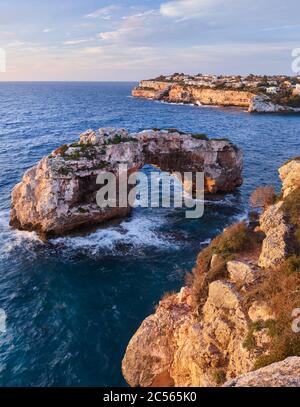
<point>58,195</point>
<point>174,92</point>
<point>232,322</point>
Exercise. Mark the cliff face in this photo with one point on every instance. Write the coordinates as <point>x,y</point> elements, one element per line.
<point>181,93</point>
<point>231,319</point>
<point>280,374</point>
<point>58,194</point>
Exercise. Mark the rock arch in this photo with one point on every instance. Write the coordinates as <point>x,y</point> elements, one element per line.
<point>58,195</point>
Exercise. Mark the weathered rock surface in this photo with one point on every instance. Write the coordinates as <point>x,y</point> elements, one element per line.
<point>225,332</point>
<point>290,176</point>
<point>241,272</point>
<point>275,225</point>
<point>262,104</point>
<point>279,374</point>
<point>260,311</point>
<point>58,194</point>
<point>176,344</point>
<point>177,93</point>
<point>181,93</point>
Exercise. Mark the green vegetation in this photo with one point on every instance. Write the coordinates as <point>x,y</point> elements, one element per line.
<point>219,376</point>
<point>61,150</point>
<point>82,210</point>
<point>86,150</point>
<point>280,288</point>
<point>220,139</point>
<point>63,171</point>
<point>172,130</point>
<point>119,139</point>
<point>263,197</point>
<point>249,342</point>
<point>235,239</point>
<point>200,136</point>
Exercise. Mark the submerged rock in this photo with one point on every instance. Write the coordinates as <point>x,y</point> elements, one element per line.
<point>58,194</point>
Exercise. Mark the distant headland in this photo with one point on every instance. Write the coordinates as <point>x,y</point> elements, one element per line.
<point>257,93</point>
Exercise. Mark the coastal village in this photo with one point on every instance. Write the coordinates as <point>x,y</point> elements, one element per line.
<point>270,85</point>
<point>256,93</point>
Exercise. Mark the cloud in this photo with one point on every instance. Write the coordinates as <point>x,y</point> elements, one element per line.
<point>103,13</point>
<point>47,30</point>
<point>186,9</point>
<point>76,42</point>
<point>130,25</point>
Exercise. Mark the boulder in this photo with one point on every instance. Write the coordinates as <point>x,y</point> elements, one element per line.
<point>241,272</point>
<point>279,374</point>
<point>222,294</point>
<point>260,311</point>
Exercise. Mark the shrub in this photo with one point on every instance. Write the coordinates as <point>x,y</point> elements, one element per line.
<point>280,288</point>
<point>172,130</point>
<point>235,239</point>
<point>200,136</point>
<point>62,149</point>
<point>263,197</point>
<point>291,206</point>
<point>219,376</point>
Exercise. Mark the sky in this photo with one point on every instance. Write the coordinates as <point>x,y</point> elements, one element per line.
<point>129,40</point>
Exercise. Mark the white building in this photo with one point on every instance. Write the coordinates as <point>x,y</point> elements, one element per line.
<point>272,90</point>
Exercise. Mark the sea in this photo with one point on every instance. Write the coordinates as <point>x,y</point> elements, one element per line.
<point>71,305</point>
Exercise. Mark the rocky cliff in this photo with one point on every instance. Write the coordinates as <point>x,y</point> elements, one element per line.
<point>58,194</point>
<point>181,93</point>
<point>235,314</point>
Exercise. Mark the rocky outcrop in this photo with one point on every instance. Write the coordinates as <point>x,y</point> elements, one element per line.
<point>280,374</point>
<point>58,194</point>
<point>276,245</point>
<point>178,93</point>
<point>174,92</point>
<point>263,104</point>
<point>290,176</point>
<point>227,332</point>
<point>241,272</point>
<point>174,343</point>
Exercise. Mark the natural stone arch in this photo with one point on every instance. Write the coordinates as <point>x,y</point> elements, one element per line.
<point>58,195</point>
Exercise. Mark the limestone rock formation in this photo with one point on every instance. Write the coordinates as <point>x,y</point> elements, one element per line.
<point>262,104</point>
<point>58,194</point>
<point>176,92</point>
<point>173,347</point>
<point>203,337</point>
<point>275,225</point>
<point>241,272</point>
<point>279,374</point>
<point>290,176</point>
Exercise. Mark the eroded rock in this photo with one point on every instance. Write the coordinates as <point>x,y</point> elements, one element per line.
<point>241,272</point>
<point>58,194</point>
<point>279,374</point>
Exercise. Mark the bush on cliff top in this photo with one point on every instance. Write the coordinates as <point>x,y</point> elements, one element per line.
<point>262,197</point>
<point>235,239</point>
<point>200,136</point>
<point>281,289</point>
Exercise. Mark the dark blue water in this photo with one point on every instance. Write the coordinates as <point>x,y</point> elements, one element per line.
<point>73,305</point>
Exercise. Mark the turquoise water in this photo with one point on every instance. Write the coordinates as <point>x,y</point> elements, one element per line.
<point>73,304</point>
